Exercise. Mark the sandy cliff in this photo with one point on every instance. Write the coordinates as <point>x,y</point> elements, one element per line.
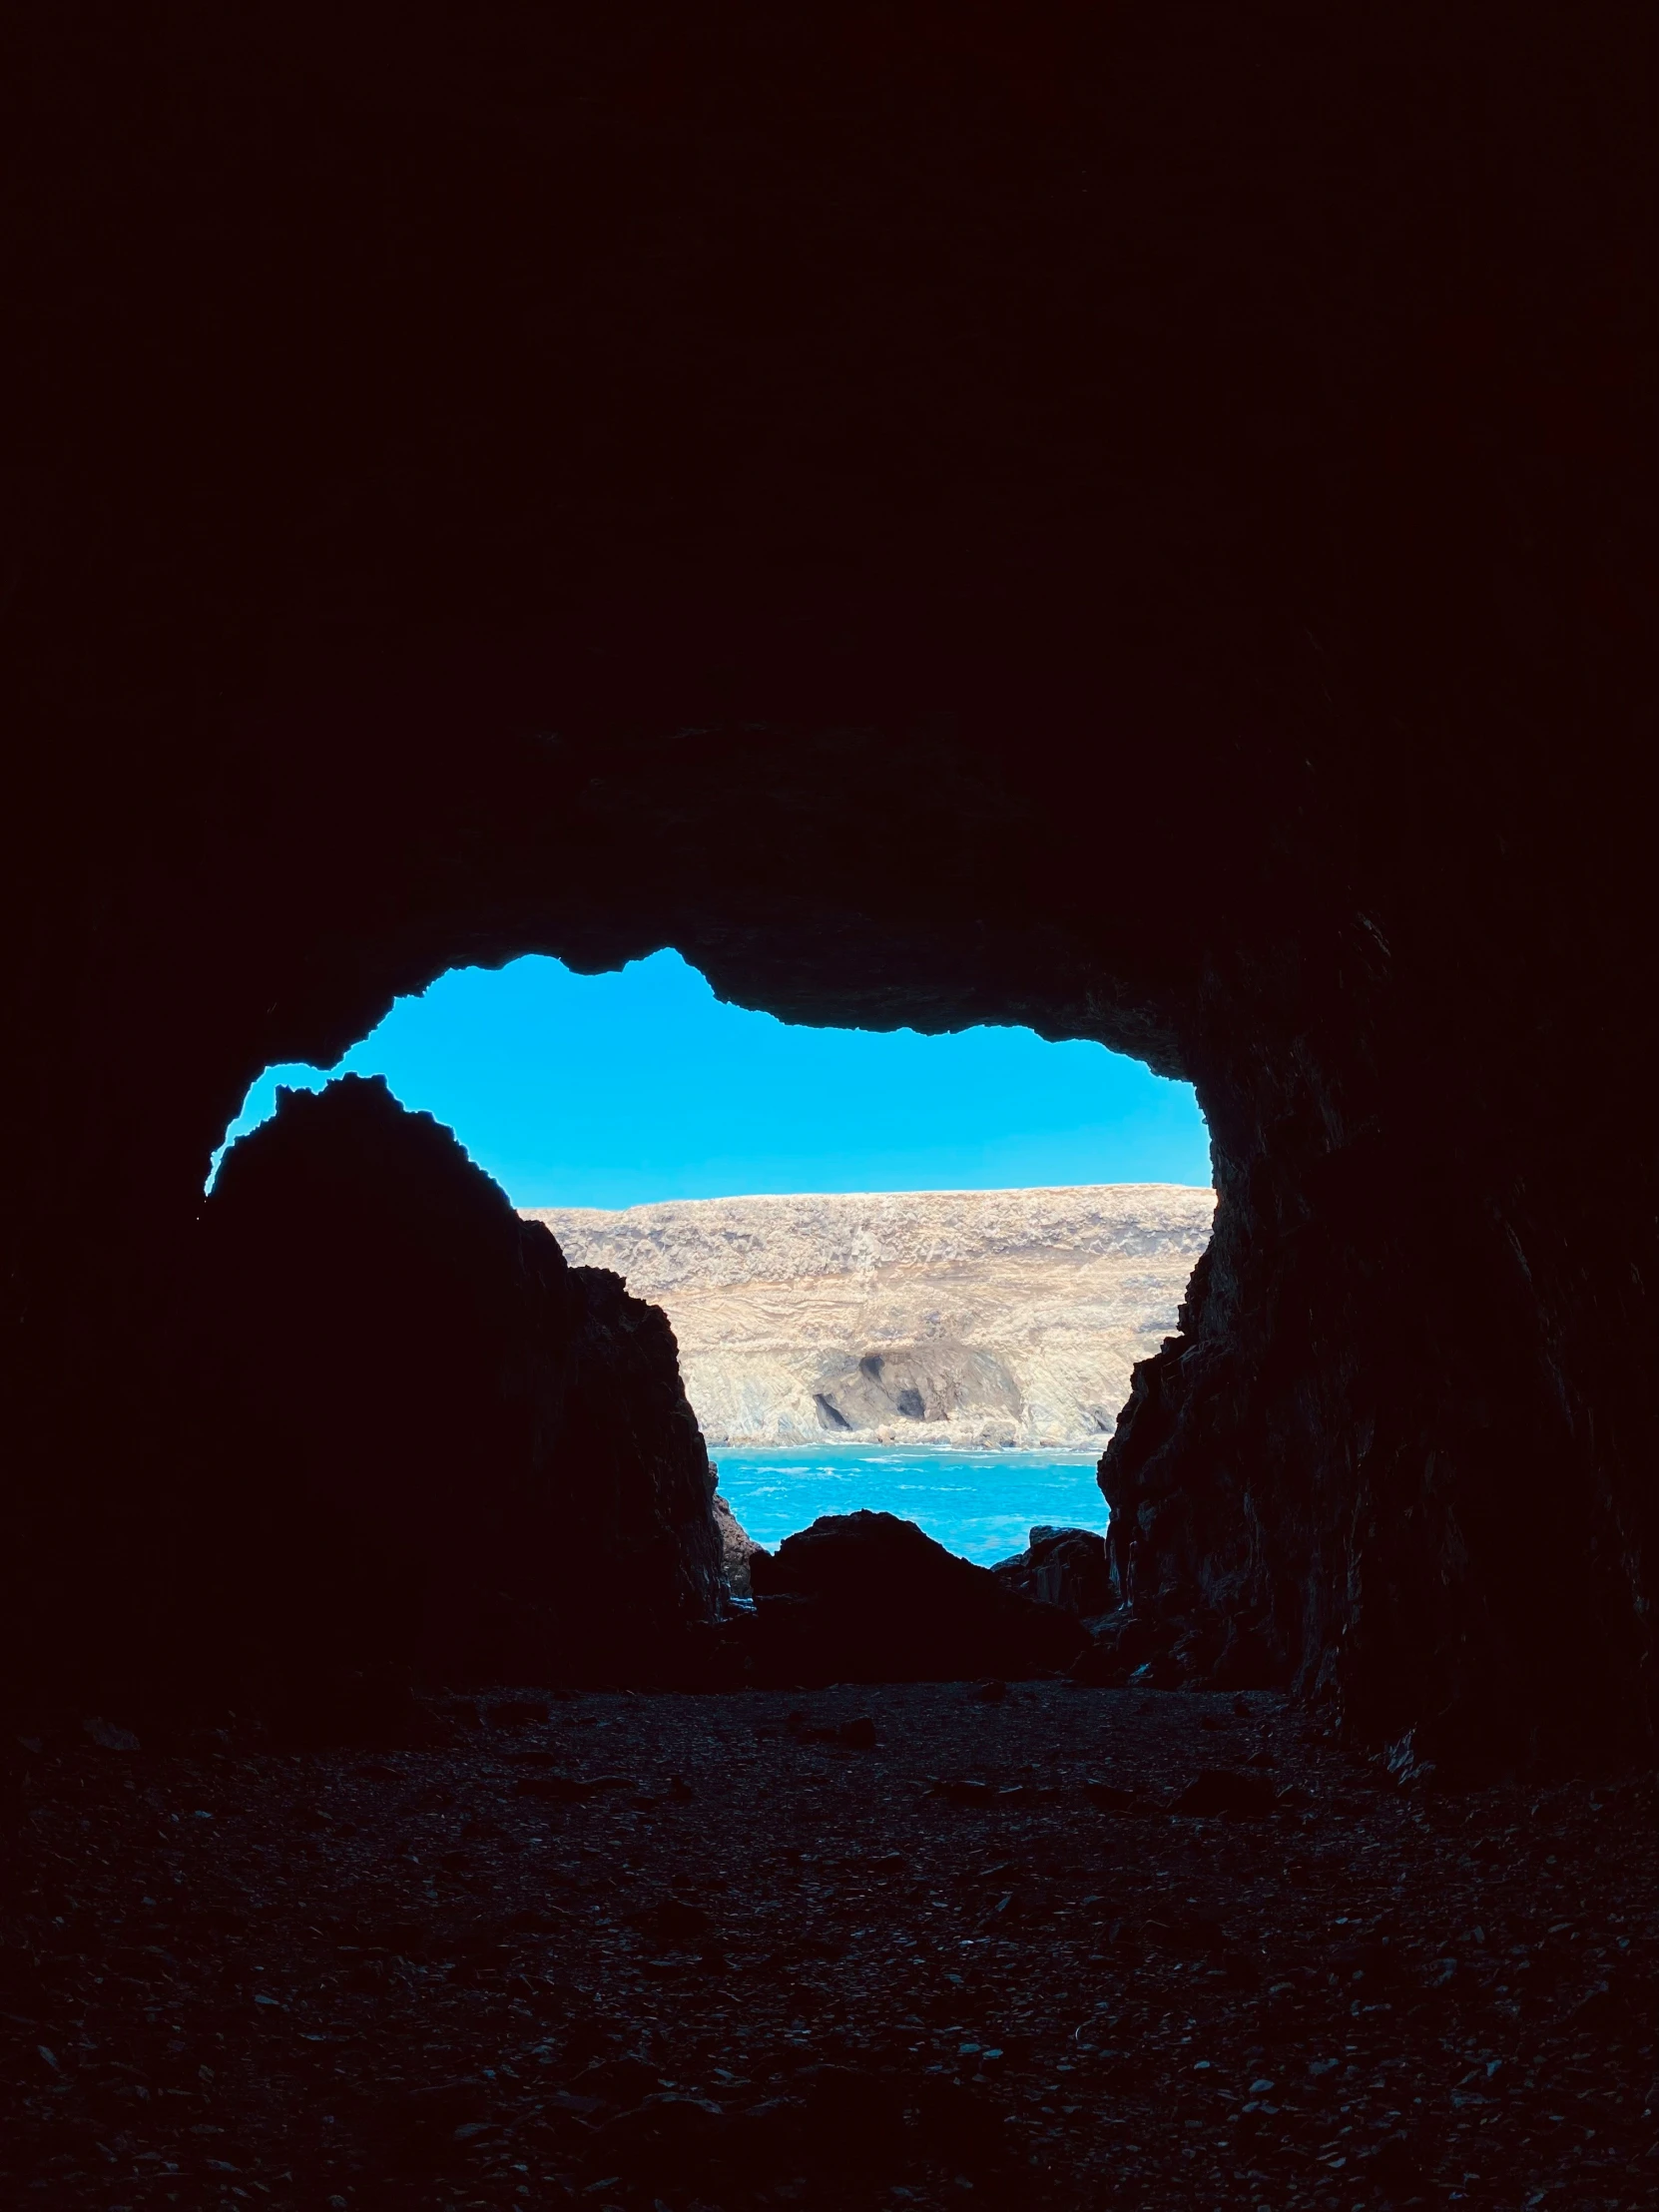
<point>990,1317</point>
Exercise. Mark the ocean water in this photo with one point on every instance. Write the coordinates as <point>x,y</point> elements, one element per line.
<point>982,1504</point>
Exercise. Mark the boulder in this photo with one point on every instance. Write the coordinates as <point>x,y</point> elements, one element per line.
<point>421,1435</point>
<point>1122,1642</point>
<point>1067,1567</point>
<point>868,1597</point>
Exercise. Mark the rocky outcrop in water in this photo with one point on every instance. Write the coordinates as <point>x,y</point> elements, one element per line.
<point>866,1597</point>
<point>957,1317</point>
<point>423,1436</point>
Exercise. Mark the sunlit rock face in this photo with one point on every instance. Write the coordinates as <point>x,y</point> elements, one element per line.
<point>974,1319</point>
<point>964,517</point>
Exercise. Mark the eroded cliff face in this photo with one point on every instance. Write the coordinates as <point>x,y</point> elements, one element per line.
<point>1133,522</point>
<point>956,1317</point>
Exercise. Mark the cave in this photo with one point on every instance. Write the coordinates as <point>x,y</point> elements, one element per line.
<point>881,709</point>
<point>1135,523</point>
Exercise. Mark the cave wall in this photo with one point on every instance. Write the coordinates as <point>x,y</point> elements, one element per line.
<point>1134,521</point>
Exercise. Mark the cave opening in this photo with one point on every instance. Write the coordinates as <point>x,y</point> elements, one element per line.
<point>905,1273</point>
<point>1135,523</point>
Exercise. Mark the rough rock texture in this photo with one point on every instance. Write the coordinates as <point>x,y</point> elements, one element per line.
<point>423,1437</point>
<point>1137,521</point>
<point>866,1597</point>
<point>737,1547</point>
<point>1067,1567</point>
<point>927,1316</point>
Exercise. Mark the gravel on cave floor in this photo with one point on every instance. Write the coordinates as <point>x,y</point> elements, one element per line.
<point>232,1975</point>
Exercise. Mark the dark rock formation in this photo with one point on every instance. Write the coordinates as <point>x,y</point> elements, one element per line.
<point>421,1436</point>
<point>737,1546</point>
<point>1067,1567</point>
<point>1133,521</point>
<point>866,1597</point>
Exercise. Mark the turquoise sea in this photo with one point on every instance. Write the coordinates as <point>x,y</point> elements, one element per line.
<point>982,1504</point>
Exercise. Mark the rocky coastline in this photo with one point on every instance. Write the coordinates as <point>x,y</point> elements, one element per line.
<point>959,1319</point>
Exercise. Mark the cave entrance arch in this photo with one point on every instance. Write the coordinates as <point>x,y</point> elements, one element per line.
<point>1319,1484</point>
<point>895,1245</point>
<point>647,517</point>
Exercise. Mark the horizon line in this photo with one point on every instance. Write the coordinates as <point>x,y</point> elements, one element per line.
<point>996,1189</point>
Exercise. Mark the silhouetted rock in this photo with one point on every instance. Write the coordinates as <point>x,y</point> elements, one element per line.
<point>443,1444</point>
<point>1067,1567</point>
<point>1129,1638</point>
<point>866,1597</point>
<point>737,1546</point>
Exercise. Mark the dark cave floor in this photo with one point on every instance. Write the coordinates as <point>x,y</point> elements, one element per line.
<point>755,1968</point>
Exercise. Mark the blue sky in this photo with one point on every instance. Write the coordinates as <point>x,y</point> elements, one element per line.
<point>614,1090</point>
